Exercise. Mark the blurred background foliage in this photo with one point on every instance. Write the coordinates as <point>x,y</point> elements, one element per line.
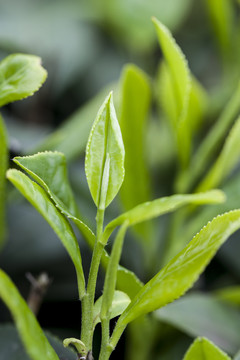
<point>85,45</point>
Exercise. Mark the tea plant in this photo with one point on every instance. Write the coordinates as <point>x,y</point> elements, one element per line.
<point>44,183</point>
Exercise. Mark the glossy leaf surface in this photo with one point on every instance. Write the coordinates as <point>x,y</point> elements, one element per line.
<point>203,349</point>
<point>152,209</point>
<point>204,315</point>
<point>183,270</point>
<point>50,171</point>
<point>3,168</point>
<point>20,76</point>
<point>105,142</point>
<point>43,204</point>
<point>33,338</point>
<point>180,85</point>
<point>119,304</point>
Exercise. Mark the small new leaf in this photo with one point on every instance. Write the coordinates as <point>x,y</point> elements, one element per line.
<point>105,151</point>
<point>20,76</point>
<point>203,349</point>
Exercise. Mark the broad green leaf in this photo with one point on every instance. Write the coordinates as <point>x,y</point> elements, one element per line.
<point>182,271</point>
<point>155,208</point>
<point>133,115</point>
<point>230,294</point>
<point>176,68</point>
<point>104,163</point>
<point>49,169</point>
<point>3,168</point>
<point>71,137</point>
<point>237,357</point>
<point>32,336</point>
<point>211,143</point>
<point>119,304</point>
<point>20,76</point>
<point>222,18</point>
<point>43,204</point>
<point>203,349</point>
<point>204,315</point>
<point>226,161</point>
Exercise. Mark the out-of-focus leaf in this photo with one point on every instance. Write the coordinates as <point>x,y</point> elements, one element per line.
<point>104,162</point>
<point>230,294</point>
<point>130,19</point>
<point>20,76</point>
<point>71,137</point>
<point>237,357</point>
<point>43,204</point>
<point>222,18</point>
<point>32,336</point>
<point>49,169</point>
<point>12,347</point>
<point>3,168</point>
<point>178,79</point>
<point>211,142</point>
<point>203,349</point>
<point>155,208</point>
<point>226,161</point>
<point>182,271</point>
<point>204,315</point>
<point>119,304</point>
<point>134,107</point>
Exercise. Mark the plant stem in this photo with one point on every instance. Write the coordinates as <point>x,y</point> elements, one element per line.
<point>88,299</point>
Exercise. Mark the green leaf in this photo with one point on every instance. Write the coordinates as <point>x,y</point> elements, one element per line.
<point>32,336</point>
<point>49,169</point>
<point>71,137</point>
<point>204,315</point>
<point>203,349</point>
<point>222,18</point>
<point>176,68</point>
<point>230,294</point>
<point>211,142</point>
<point>111,273</point>
<point>104,163</point>
<point>3,169</point>
<point>119,304</point>
<point>155,208</point>
<point>43,204</point>
<point>237,357</point>
<point>182,271</point>
<point>133,116</point>
<point>226,161</point>
<point>20,76</point>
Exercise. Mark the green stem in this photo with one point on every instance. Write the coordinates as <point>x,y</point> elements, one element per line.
<point>88,299</point>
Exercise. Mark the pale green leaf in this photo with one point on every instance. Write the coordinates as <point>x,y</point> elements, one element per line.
<point>105,138</point>
<point>49,169</point>
<point>203,349</point>
<point>204,315</point>
<point>155,208</point>
<point>178,78</point>
<point>20,76</point>
<point>222,19</point>
<point>133,116</point>
<point>237,357</point>
<point>33,338</point>
<point>43,204</point>
<point>211,142</point>
<point>225,163</point>
<point>119,303</point>
<point>3,168</point>
<point>230,294</point>
<point>71,137</point>
<point>183,270</point>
